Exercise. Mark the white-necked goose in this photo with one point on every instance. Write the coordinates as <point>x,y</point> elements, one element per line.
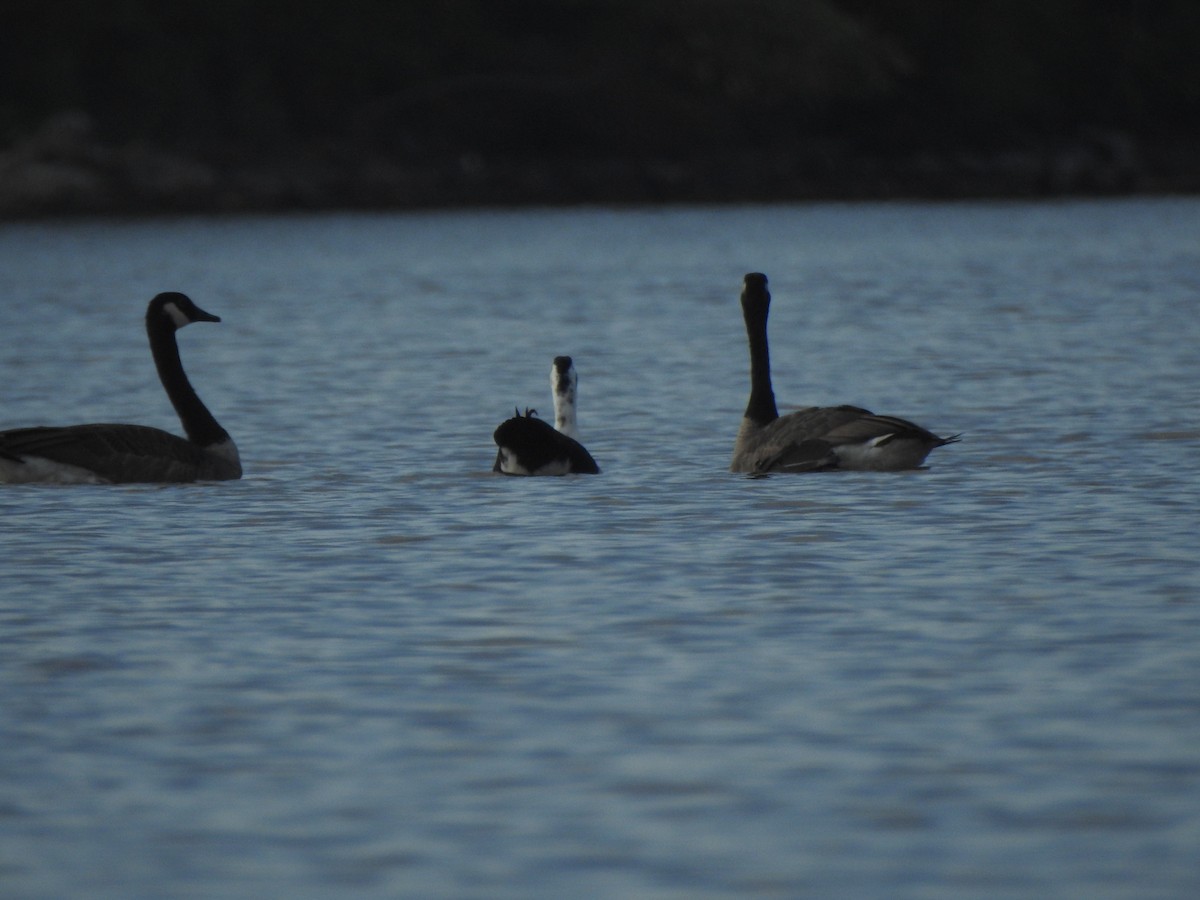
<point>529,446</point>
<point>564,384</point>
<point>818,437</point>
<point>109,454</point>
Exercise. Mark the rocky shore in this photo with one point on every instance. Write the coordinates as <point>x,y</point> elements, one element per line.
<point>63,168</point>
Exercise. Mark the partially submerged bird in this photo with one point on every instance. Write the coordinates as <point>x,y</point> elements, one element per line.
<point>116,453</point>
<point>815,438</point>
<point>529,446</point>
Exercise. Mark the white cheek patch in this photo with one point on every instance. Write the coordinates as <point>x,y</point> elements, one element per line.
<point>176,315</point>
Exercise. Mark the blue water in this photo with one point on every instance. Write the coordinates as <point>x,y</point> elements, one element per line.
<point>373,669</point>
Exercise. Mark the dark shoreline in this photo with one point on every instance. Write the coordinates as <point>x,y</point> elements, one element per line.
<point>64,170</point>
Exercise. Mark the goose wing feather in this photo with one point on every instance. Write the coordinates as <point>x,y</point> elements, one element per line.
<point>115,452</point>
<point>812,455</point>
<point>873,428</point>
<point>797,442</point>
<point>816,421</point>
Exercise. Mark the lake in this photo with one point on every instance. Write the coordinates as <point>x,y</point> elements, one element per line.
<point>372,668</point>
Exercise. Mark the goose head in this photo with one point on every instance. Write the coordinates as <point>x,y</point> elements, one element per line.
<point>176,310</point>
<point>756,299</point>
<point>563,379</point>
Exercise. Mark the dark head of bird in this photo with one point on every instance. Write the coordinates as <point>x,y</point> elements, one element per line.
<point>755,296</point>
<point>175,310</point>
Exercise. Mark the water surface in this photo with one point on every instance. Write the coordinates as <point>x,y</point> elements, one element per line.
<point>372,668</point>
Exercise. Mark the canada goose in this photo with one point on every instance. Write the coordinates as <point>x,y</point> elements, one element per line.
<point>817,437</point>
<point>110,454</point>
<point>529,446</point>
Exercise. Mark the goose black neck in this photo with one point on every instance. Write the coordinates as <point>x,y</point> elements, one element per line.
<point>761,407</point>
<point>198,422</point>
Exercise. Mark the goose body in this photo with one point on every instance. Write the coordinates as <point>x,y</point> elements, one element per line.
<point>117,453</point>
<point>529,446</point>
<point>815,438</point>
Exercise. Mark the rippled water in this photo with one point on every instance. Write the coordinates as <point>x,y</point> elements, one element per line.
<point>372,668</point>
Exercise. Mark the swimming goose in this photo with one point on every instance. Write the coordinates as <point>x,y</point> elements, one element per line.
<point>529,446</point>
<point>110,454</point>
<point>818,437</point>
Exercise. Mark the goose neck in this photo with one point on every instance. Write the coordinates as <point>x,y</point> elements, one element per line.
<point>199,424</point>
<point>761,407</point>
